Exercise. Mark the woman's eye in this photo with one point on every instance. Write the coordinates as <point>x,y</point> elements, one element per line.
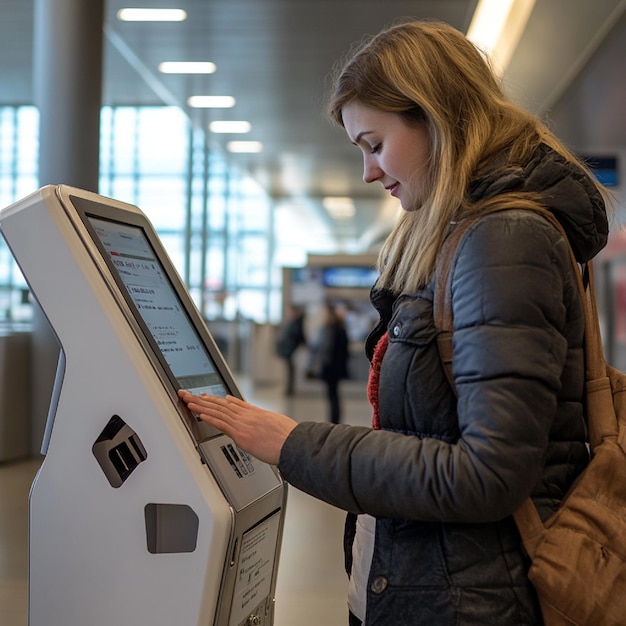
<point>375,149</point>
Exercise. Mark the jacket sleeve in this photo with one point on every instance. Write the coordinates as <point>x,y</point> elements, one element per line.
<point>509,350</point>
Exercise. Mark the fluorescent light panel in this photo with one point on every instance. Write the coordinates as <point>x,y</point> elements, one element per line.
<point>219,126</point>
<point>151,15</point>
<point>496,28</point>
<point>488,23</point>
<point>244,146</point>
<point>339,207</point>
<point>211,102</point>
<point>187,67</point>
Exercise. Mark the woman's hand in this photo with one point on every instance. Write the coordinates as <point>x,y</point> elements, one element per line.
<point>259,432</point>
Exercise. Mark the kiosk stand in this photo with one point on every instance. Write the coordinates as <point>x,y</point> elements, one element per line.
<point>141,514</point>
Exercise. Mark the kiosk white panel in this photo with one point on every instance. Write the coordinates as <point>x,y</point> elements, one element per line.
<point>138,515</point>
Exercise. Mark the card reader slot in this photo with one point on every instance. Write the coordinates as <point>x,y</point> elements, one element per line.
<point>123,459</point>
<point>137,447</point>
<point>118,451</point>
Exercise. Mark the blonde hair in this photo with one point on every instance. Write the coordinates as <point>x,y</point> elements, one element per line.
<point>428,72</point>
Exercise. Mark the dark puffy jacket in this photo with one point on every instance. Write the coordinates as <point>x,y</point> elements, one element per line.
<point>443,476</point>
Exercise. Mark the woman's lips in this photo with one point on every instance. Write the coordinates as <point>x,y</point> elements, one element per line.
<point>392,189</point>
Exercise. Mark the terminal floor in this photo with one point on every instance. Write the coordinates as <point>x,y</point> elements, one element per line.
<point>311,587</point>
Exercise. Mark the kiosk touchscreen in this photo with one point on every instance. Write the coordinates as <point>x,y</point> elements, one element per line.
<point>141,514</point>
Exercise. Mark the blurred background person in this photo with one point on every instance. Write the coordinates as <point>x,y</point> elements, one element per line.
<point>290,337</point>
<point>329,360</point>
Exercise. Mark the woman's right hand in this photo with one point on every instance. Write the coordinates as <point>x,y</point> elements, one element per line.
<point>258,431</point>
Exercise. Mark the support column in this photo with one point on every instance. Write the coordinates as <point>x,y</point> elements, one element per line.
<point>67,84</point>
<point>68,36</point>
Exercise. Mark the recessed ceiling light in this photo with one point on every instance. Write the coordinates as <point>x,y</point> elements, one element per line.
<point>244,146</point>
<point>340,207</point>
<point>187,67</point>
<point>151,15</point>
<point>229,127</point>
<point>211,102</point>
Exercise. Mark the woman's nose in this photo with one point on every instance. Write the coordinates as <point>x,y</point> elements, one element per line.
<point>371,172</point>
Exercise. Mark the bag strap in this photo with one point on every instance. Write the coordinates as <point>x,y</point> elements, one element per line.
<point>601,418</point>
<point>442,304</point>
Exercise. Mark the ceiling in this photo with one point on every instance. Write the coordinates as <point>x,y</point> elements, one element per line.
<point>274,57</point>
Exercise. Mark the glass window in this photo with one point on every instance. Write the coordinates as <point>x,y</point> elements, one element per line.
<point>223,233</point>
<point>19,146</point>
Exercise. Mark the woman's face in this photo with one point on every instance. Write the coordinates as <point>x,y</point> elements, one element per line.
<point>394,153</point>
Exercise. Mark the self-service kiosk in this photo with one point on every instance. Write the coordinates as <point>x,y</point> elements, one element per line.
<point>141,515</point>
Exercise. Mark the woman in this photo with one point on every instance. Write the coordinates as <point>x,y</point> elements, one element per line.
<point>435,481</point>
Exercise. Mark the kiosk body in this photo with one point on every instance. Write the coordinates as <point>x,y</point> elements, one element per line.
<point>140,514</point>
